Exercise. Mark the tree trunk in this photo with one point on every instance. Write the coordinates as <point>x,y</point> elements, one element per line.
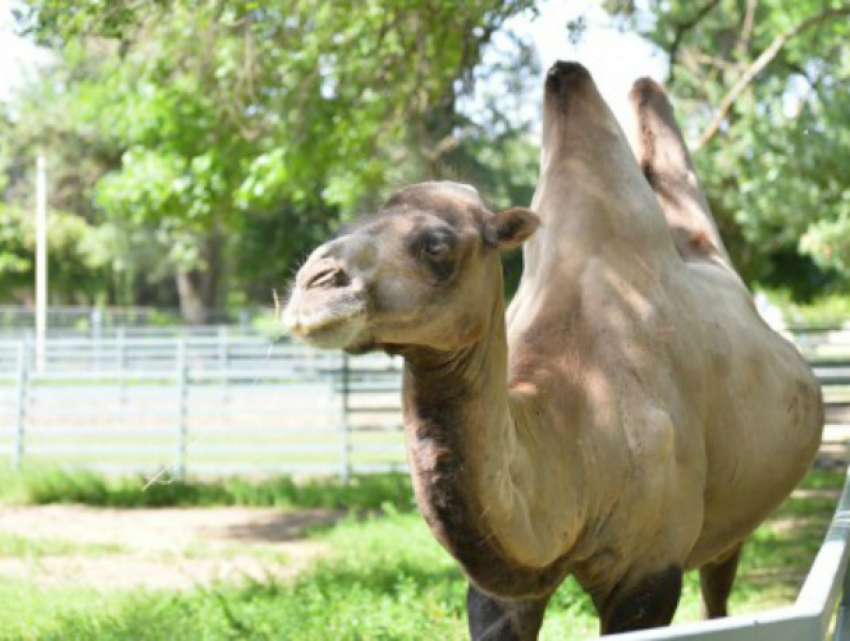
<point>193,304</point>
<point>198,289</point>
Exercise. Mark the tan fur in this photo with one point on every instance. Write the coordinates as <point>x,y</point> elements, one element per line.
<point>632,414</point>
<point>663,156</point>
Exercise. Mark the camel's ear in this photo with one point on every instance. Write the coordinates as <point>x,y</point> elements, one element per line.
<point>510,228</point>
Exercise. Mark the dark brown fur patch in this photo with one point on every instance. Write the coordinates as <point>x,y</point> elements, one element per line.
<point>649,603</point>
<point>435,412</point>
<point>496,620</point>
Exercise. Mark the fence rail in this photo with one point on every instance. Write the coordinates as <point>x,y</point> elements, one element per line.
<point>67,321</point>
<point>227,402</point>
<point>220,404</point>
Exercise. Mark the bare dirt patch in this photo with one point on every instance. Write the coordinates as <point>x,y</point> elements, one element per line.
<point>175,548</point>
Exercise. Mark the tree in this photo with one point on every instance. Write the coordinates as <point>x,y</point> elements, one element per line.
<point>75,266</point>
<point>238,122</point>
<point>762,86</point>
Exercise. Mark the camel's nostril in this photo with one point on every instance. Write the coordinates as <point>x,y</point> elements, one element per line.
<point>328,277</point>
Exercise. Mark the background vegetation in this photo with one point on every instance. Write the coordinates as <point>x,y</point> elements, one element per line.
<point>197,150</point>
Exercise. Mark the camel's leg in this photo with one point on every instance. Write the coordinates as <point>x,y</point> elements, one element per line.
<point>649,602</point>
<point>715,580</point>
<point>496,620</point>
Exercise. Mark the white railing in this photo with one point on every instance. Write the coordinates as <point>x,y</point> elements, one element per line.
<point>208,405</point>
<point>225,402</point>
<point>812,616</point>
<point>81,321</point>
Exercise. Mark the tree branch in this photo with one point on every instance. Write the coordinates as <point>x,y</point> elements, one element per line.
<point>758,66</point>
<point>747,28</point>
<point>681,29</point>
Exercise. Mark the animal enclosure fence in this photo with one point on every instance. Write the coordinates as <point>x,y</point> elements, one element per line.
<point>219,404</point>
<point>94,322</point>
<point>224,402</point>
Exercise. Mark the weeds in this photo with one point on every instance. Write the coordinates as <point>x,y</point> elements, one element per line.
<point>49,485</point>
<point>19,546</point>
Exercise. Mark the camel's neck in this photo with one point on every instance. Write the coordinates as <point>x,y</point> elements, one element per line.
<point>483,467</point>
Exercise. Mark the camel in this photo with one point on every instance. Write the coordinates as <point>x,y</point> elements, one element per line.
<point>663,156</point>
<point>629,419</point>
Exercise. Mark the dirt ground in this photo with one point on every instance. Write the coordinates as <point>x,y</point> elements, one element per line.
<point>180,548</point>
<point>175,548</point>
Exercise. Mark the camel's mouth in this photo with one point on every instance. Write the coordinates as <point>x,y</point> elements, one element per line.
<point>328,324</point>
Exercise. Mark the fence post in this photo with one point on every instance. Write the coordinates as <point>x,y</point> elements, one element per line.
<point>121,354</point>
<point>97,336</point>
<point>20,427</point>
<point>182,393</point>
<point>223,357</point>
<point>345,454</point>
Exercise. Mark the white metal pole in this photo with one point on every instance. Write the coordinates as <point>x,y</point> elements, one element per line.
<point>40,260</point>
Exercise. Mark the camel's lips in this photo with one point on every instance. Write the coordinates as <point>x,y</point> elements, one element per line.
<point>328,322</point>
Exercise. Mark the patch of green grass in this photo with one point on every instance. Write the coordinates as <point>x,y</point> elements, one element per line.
<point>32,612</point>
<point>19,546</point>
<point>824,479</point>
<point>388,579</point>
<point>40,486</point>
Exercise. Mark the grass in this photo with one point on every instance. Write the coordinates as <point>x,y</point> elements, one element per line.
<point>19,546</point>
<point>53,485</point>
<point>388,579</point>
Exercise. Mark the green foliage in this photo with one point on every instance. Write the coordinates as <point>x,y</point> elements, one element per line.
<point>241,134</point>
<point>776,171</point>
<point>73,262</point>
<point>50,485</point>
<point>828,310</point>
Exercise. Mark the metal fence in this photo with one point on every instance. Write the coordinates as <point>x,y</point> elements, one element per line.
<point>222,401</point>
<point>18,322</point>
<point>217,404</point>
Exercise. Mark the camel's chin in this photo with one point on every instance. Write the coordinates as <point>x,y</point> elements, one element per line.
<point>327,319</point>
<point>362,344</point>
<point>333,333</point>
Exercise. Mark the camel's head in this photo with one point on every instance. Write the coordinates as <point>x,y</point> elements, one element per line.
<point>423,271</point>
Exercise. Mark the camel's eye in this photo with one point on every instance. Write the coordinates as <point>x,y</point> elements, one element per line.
<point>435,251</point>
<point>435,247</point>
<point>434,244</point>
